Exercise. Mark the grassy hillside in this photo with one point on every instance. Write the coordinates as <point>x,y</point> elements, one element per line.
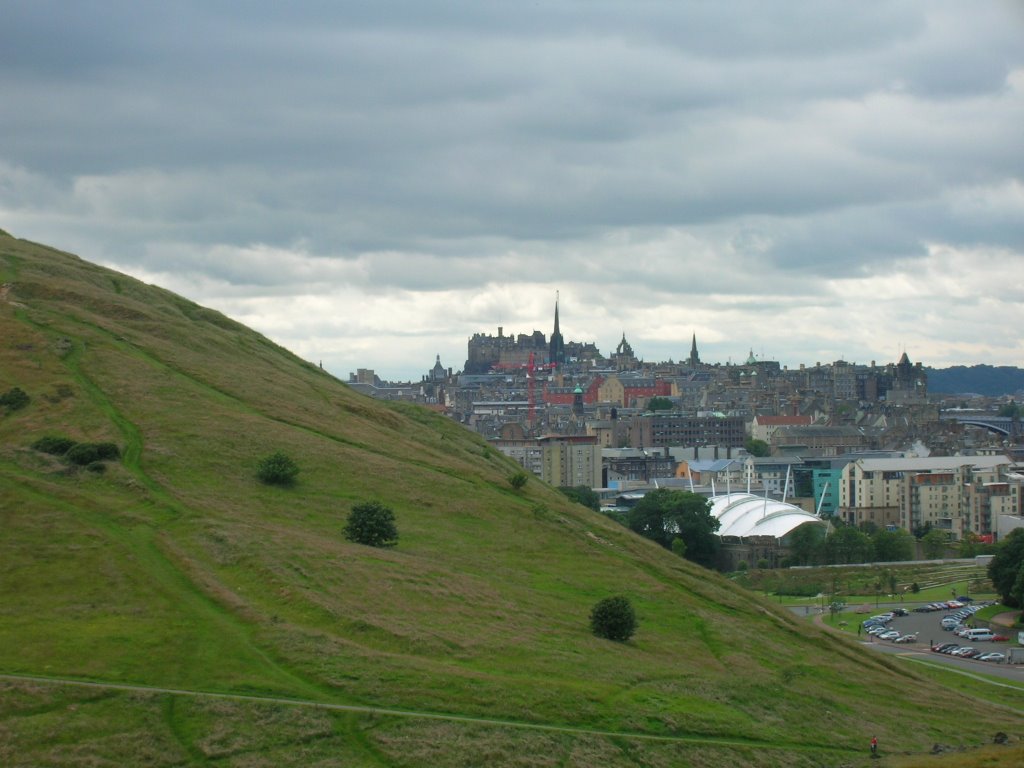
<point>175,574</point>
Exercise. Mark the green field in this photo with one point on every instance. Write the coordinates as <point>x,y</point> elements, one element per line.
<point>226,622</point>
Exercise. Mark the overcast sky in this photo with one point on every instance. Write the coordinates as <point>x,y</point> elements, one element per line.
<point>370,183</point>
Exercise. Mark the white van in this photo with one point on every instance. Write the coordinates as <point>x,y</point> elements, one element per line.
<point>973,635</point>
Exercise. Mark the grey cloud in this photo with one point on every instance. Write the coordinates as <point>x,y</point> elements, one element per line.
<point>676,149</point>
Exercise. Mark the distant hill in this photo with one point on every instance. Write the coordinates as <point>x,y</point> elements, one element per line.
<point>988,380</point>
<point>227,622</point>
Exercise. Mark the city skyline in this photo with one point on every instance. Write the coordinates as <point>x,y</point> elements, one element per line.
<point>370,185</point>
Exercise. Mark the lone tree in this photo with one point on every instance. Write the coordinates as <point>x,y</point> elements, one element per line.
<point>757,447</point>
<point>372,524</point>
<point>518,480</point>
<point>613,618</point>
<point>664,515</point>
<point>277,469</point>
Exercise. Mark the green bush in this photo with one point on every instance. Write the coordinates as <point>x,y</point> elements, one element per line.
<point>372,524</point>
<point>108,451</point>
<point>58,446</point>
<point>613,618</point>
<point>83,453</point>
<point>13,399</point>
<point>277,469</point>
<point>518,480</point>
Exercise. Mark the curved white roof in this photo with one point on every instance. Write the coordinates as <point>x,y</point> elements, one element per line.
<point>743,514</point>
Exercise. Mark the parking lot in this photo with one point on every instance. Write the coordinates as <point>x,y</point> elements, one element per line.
<point>927,626</point>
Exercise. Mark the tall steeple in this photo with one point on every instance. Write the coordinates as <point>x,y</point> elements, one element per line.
<point>694,357</point>
<point>556,348</point>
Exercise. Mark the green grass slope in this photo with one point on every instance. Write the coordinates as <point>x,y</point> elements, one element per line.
<point>227,622</point>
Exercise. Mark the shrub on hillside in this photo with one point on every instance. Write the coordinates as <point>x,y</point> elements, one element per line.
<point>83,453</point>
<point>613,618</point>
<point>13,399</point>
<point>372,524</point>
<point>277,469</point>
<point>58,446</point>
<point>518,480</point>
<point>108,451</point>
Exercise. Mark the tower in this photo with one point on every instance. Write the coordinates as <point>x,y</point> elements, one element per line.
<point>556,347</point>
<point>694,357</point>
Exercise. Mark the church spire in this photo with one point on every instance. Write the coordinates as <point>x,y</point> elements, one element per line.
<point>556,348</point>
<point>694,357</point>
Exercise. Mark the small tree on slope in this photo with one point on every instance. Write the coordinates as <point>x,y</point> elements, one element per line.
<point>613,618</point>
<point>372,524</point>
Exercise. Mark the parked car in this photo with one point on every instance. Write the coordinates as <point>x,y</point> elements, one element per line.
<point>1000,639</point>
<point>906,638</point>
<point>891,634</point>
<point>951,648</point>
<point>992,656</point>
<point>941,647</point>
<point>965,651</point>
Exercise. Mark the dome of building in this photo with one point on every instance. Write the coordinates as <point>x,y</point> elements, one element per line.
<point>743,514</point>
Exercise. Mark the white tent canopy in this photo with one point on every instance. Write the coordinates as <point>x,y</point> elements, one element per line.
<point>743,514</point>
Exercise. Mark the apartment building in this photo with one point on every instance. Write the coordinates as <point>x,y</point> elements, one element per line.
<point>957,494</point>
<point>571,461</point>
<point>669,429</point>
